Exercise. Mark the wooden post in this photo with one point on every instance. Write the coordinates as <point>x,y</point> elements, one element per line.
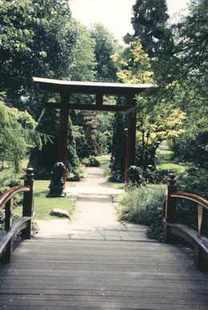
<point>201,257</point>
<point>99,100</point>
<point>170,207</point>
<point>28,202</point>
<point>7,224</point>
<point>63,130</point>
<point>132,137</point>
<point>126,134</point>
<point>130,140</point>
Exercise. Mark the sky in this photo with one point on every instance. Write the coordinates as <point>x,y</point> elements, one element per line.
<point>115,15</point>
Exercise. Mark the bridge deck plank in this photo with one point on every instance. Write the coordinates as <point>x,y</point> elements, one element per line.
<point>72,274</point>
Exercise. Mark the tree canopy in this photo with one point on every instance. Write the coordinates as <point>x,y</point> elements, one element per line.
<point>36,38</point>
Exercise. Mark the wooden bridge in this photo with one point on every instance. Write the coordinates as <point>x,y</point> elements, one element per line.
<point>90,274</point>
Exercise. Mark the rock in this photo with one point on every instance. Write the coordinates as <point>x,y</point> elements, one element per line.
<point>60,213</point>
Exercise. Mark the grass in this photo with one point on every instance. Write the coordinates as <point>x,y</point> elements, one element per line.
<point>44,205</point>
<point>176,167</point>
<point>165,154</point>
<point>165,162</point>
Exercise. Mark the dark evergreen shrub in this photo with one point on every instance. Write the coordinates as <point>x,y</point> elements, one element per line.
<point>135,176</point>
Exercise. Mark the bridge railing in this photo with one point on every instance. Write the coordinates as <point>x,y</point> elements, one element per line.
<point>23,224</point>
<point>172,228</point>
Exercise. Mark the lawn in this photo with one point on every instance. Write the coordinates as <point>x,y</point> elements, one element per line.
<point>44,205</point>
<point>165,162</point>
<point>176,167</point>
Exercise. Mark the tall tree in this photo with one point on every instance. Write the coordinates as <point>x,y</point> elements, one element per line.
<point>105,47</point>
<point>36,38</point>
<point>150,24</point>
<point>193,47</point>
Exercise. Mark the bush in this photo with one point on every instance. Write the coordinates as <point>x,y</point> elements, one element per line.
<point>135,175</point>
<point>91,162</point>
<point>144,206</point>
<point>195,180</point>
<point>192,149</point>
<point>138,176</point>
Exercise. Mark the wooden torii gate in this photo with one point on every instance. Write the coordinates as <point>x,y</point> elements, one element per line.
<point>67,88</point>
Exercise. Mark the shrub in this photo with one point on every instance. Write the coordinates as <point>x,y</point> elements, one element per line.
<point>135,175</point>
<point>144,206</point>
<point>195,180</point>
<point>138,176</point>
<point>192,149</point>
<point>91,162</point>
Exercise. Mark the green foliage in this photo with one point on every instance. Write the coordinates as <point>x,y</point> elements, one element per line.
<point>135,176</point>
<point>193,150</point>
<point>133,65</point>
<point>149,23</point>
<point>91,162</point>
<point>92,60</point>
<point>8,178</point>
<point>90,125</point>
<point>194,180</point>
<point>144,206</point>
<point>83,67</point>
<point>105,47</point>
<point>151,29</point>
<point>154,123</point>
<point>105,132</point>
<point>36,39</point>
<point>192,44</point>
<point>170,166</point>
<point>94,135</point>
<point>16,134</point>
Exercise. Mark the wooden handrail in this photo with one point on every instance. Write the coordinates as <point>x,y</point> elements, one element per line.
<point>192,197</point>
<point>171,227</point>
<point>8,195</point>
<point>23,225</point>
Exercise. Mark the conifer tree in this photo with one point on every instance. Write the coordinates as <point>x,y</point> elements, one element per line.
<point>150,24</point>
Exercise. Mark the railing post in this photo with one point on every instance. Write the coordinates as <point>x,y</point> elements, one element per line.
<point>170,207</point>
<point>7,224</point>
<point>201,258</point>
<point>28,202</point>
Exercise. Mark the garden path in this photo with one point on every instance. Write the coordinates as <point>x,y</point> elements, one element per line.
<point>95,216</point>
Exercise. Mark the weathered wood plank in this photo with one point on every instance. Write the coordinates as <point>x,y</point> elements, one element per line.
<point>67,274</point>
